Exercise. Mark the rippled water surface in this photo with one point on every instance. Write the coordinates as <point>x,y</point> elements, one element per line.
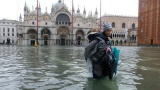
<point>64,68</point>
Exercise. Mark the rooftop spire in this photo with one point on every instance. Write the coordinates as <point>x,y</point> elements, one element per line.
<point>78,11</point>
<point>84,11</point>
<point>96,12</point>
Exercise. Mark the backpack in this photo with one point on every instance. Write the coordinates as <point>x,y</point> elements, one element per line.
<point>95,49</point>
<point>104,63</point>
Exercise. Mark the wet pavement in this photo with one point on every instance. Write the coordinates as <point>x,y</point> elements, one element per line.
<point>64,68</point>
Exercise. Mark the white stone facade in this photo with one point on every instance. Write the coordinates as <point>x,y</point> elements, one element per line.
<point>121,25</point>
<point>8,30</point>
<point>55,28</point>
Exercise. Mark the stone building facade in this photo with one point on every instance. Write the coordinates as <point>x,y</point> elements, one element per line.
<point>121,26</point>
<point>132,38</point>
<point>8,31</point>
<point>149,22</point>
<point>55,28</point>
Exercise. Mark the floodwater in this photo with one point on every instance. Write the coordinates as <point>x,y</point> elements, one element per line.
<point>64,68</point>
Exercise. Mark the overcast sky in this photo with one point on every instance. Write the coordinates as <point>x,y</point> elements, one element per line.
<point>11,9</point>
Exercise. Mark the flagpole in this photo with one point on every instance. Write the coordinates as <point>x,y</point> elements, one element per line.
<point>100,16</point>
<point>72,22</point>
<point>37,22</point>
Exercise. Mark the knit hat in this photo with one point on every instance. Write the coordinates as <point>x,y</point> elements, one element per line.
<point>106,26</point>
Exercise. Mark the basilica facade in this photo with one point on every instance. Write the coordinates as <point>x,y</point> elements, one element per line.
<point>56,28</point>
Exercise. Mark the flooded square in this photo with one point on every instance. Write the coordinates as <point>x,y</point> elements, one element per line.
<point>64,68</point>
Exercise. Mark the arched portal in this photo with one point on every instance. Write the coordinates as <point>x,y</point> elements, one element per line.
<point>45,35</point>
<point>62,39</point>
<point>63,34</point>
<point>32,36</point>
<point>80,37</point>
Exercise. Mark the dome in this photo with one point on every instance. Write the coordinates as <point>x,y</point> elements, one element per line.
<point>59,5</point>
<point>78,15</point>
<point>34,12</point>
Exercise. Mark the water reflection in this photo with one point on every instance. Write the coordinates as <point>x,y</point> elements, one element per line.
<point>101,84</point>
<point>63,68</point>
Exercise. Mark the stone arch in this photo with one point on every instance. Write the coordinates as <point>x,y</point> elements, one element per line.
<point>123,35</point>
<point>63,34</point>
<point>133,38</point>
<point>125,41</point>
<point>121,42</point>
<point>112,35</point>
<point>80,36</point>
<point>32,34</point>
<point>117,35</point>
<point>45,36</point>
<point>45,31</point>
<point>112,42</point>
<point>116,42</point>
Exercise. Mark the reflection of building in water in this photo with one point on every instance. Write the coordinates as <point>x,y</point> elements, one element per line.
<point>149,22</point>
<point>55,28</point>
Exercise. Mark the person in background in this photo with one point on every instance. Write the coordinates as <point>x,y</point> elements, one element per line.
<point>93,33</point>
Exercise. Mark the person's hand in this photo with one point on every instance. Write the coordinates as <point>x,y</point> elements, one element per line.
<point>108,49</point>
<point>109,38</point>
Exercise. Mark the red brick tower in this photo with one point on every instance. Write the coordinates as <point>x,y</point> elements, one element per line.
<point>149,22</point>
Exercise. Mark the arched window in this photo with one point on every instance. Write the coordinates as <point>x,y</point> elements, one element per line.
<point>132,38</point>
<point>113,35</point>
<point>133,26</point>
<point>123,25</point>
<point>135,39</point>
<point>62,19</point>
<point>117,36</point>
<point>113,25</point>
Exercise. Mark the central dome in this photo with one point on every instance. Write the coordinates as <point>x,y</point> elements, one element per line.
<point>59,5</point>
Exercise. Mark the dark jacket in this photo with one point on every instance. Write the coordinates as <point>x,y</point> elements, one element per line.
<point>96,52</point>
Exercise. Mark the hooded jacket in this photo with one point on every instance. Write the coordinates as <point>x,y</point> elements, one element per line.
<point>96,52</point>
